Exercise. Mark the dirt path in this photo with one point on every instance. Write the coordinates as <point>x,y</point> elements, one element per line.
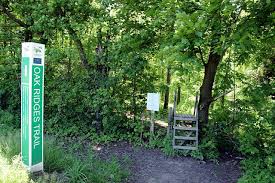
<point>152,166</point>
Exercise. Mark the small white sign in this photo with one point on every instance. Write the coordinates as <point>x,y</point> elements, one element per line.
<point>153,101</point>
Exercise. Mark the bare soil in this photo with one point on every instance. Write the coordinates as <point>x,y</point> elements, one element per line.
<point>153,166</point>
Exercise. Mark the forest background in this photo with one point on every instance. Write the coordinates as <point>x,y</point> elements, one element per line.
<point>103,57</point>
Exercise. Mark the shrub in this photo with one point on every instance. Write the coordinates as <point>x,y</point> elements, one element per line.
<point>258,170</point>
<point>8,119</point>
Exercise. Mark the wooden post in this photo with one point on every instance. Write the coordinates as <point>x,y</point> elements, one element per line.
<point>152,122</point>
<point>142,124</point>
<point>170,119</point>
<point>166,95</point>
<point>175,103</point>
<point>178,93</point>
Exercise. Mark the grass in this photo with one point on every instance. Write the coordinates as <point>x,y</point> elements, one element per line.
<point>10,144</point>
<point>60,165</point>
<point>12,171</point>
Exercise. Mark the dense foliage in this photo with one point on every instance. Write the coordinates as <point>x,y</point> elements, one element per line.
<point>102,57</point>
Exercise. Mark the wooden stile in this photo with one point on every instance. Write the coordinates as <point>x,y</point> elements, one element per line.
<point>183,124</point>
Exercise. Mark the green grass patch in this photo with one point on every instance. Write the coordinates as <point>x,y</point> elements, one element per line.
<point>10,144</point>
<point>60,165</point>
<point>55,159</point>
<point>11,170</point>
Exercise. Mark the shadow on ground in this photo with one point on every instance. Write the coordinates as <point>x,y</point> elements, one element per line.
<point>152,166</point>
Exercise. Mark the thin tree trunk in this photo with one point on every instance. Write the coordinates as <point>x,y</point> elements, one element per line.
<point>98,60</point>
<point>210,69</point>
<point>69,64</point>
<point>134,105</point>
<point>102,70</point>
<point>166,95</point>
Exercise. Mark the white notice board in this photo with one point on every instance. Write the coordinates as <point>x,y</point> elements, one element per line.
<point>153,101</point>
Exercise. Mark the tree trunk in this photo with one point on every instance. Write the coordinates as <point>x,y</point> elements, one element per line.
<point>166,95</point>
<point>210,69</point>
<point>134,105</point>
<point>102,70</point>
<point>27,35</point>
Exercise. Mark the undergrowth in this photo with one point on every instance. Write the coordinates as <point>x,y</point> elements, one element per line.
<point>60,165</point>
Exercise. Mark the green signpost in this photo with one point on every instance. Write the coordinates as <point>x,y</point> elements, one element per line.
<point>32,102</point>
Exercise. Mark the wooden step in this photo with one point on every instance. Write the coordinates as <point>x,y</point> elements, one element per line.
<point>184,138</point>
<point>179,118</point>
<point>184,115</point>
<point>185,147</point>
<point>185,128</point>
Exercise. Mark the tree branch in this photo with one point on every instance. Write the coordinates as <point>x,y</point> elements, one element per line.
<point>79,46</point>
<point>4,9</point>
<point>219,96</point>
<point>214,99</point>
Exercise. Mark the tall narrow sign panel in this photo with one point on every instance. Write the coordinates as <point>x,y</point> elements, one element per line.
<point>32,91</point>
